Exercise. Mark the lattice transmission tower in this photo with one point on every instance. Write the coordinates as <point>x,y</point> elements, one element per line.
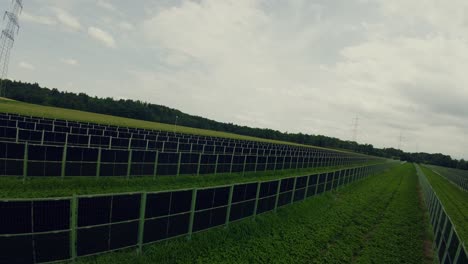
<point>355,128</point>
<point>8,38</point>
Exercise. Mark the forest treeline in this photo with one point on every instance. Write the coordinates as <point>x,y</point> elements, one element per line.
<point>33,93</point>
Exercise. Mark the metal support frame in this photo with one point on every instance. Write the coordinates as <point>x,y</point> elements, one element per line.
<point>129,163</point>
<point>64,161</point>
<point>277,195</point>
<point>178,163</point>
<point>228,213</point>
<point>73,226</point>
<point>216,164</point>
<point>141,223</point>
<point>155,168</point>
<point>294,190</point>
<point>192,213</point>
<point>98,164</point>
<point>25,161</point>
<point>256,200</point>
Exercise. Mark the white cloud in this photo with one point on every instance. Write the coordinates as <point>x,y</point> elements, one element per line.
<point>66,19</point>
<point>106,5</point>
<point>71,62</point>
<point>110,7</point>
<point>26,65</point>
<point>102,36</point>
<point>126,26</point>
<point>44,20</point>
<point>301,66</point>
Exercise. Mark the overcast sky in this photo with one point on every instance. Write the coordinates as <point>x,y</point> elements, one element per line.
<point>307,66</point>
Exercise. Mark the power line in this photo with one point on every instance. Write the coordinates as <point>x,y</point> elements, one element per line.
<point>7,39</point>
<point>400,140</point>
<point>355,128</point>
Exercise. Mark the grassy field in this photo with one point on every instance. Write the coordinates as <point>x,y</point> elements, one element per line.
<point>378,220</point>
<point>455,201</point>
<point>10,106</point>
<point>12,187</point>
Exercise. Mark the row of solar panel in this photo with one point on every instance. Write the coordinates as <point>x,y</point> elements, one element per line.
<point>448,245</point>
<point>48,124</point>
<point>18,159</point>
<point>35,123</point>
<point>61,139</point>
<point>41,231</point>
<point>460,180</point>
<point>59,135</point>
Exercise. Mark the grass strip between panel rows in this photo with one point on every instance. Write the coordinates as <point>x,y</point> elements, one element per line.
<point>11,187</point>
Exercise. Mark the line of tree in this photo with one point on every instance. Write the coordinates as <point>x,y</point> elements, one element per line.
<point>33,93</point>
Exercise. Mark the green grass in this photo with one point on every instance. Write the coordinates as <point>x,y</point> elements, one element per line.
<point>454,200</point>
<point>16,107</point>
<point>377,220</point>
<point>40,187</point>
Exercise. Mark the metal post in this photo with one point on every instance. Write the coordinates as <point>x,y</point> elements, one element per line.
<point>452,233</point>
<point>25,161</point>
<point>155,169</point>
<point>256,200</point>
<point>243,169</point>
<point>278,189</point>
<point>457,253</point>
<point>199,163</point>
<point>98,164</point>
<point>256,162</point>
<point>64,160</point>
<point>307,187</point>
<point>192,213</point>
<point>73,226</point>
<point>326,181</point>
<point>228,214</point>
<point>141,224</point>
<point>294,190</point>
<point>276,161</point>
<point>129,163</point>
<point>178,163</point>
<point>216,164</point>
<point>232,161</point>
<point>317,184</point>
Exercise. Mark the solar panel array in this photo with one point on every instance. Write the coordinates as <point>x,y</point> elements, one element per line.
<point>449,247</point>
<point>46,230</point>
<point>38,147</point>
<point>458,177</point>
